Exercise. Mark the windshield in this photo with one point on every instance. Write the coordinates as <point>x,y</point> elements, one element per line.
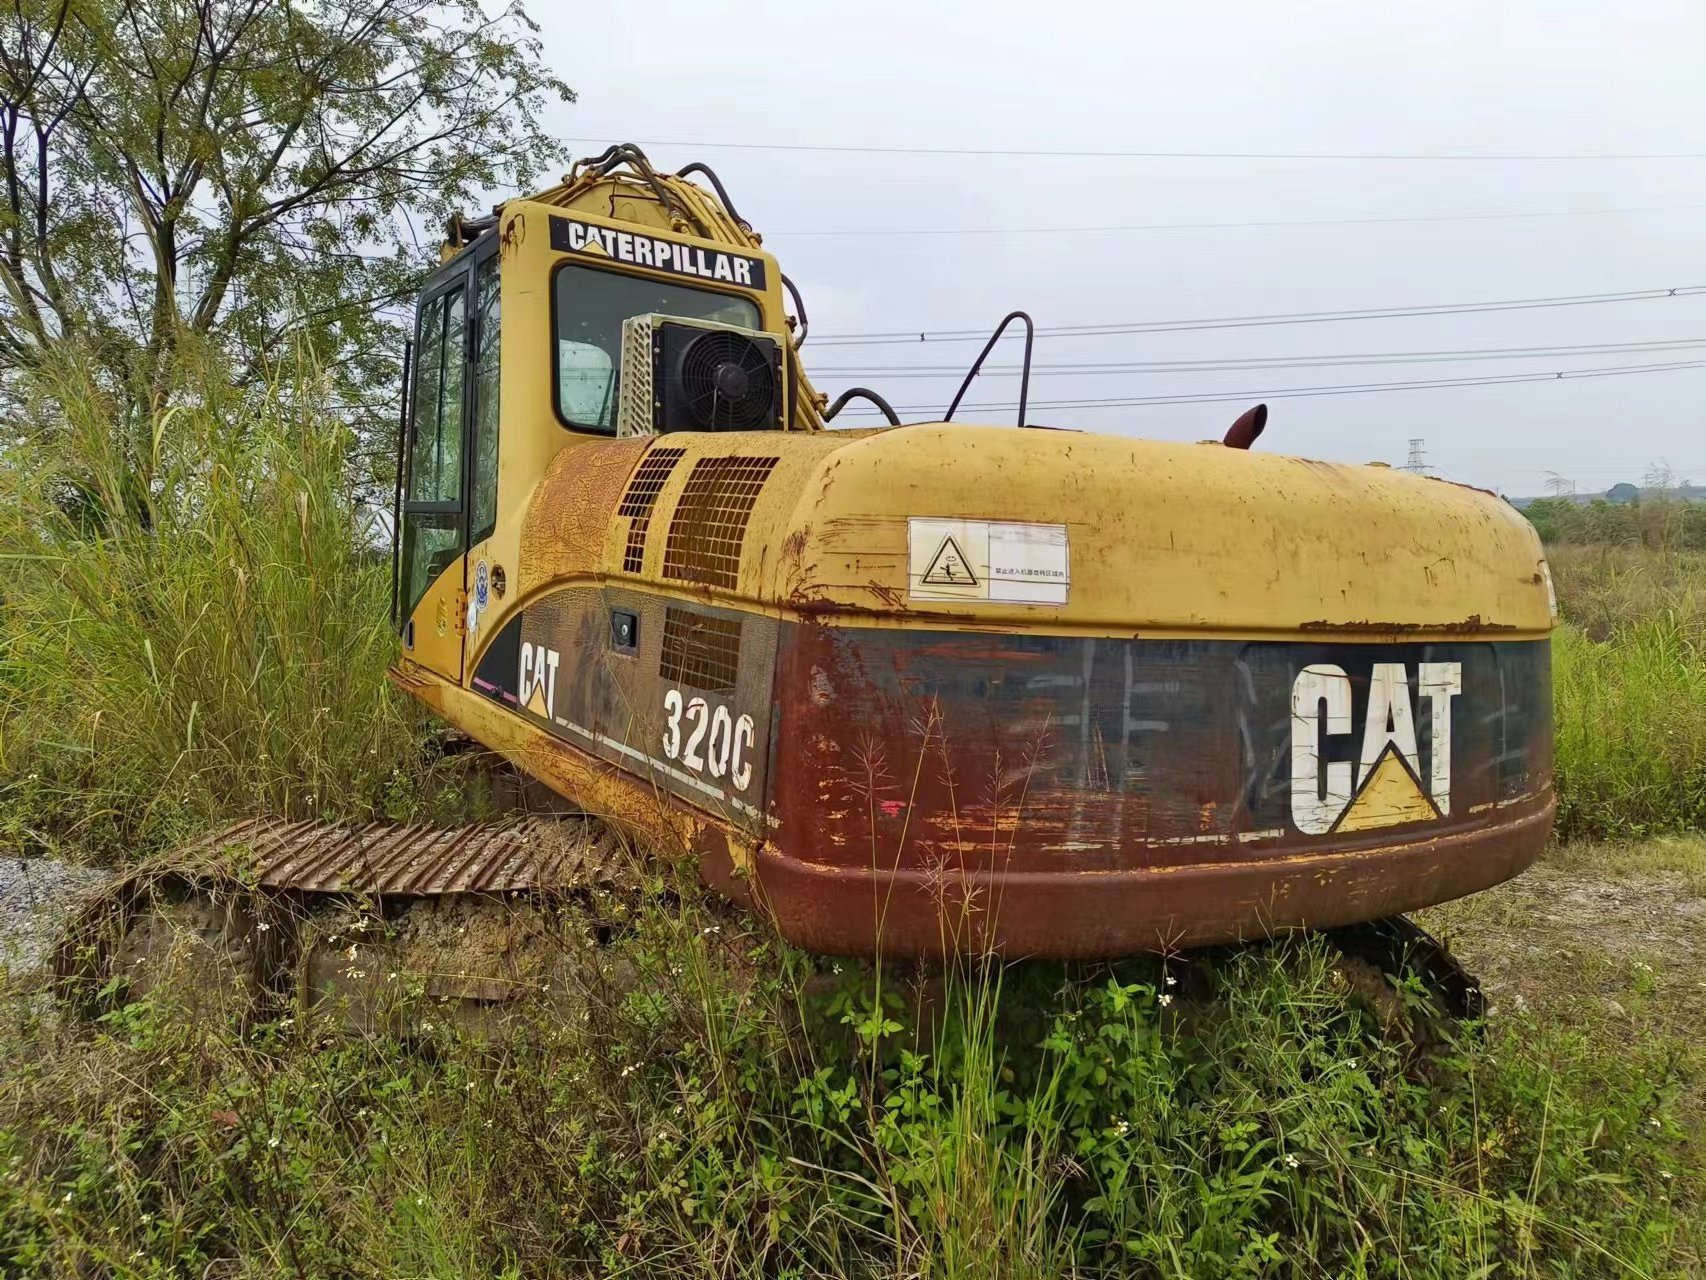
<point>590,306</point>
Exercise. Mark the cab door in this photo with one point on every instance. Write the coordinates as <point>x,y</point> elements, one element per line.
<point>433,568</point>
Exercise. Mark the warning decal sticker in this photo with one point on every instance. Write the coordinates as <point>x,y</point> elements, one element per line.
<point>948,567</point>
<point>992,560</point>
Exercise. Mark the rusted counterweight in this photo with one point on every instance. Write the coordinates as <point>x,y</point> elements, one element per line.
<point>1071,797</point>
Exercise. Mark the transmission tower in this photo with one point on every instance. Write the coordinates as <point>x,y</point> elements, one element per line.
<point>1417,463</point>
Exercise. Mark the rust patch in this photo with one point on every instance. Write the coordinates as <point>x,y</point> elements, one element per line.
<point>1472,624</point>
<point>566,525</point>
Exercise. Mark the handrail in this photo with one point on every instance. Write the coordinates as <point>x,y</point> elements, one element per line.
<point>1025,381</point>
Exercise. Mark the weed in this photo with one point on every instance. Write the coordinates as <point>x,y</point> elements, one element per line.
<point>722,1106</point>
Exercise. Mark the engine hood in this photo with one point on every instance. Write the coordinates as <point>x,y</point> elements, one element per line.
<point>971,526</point>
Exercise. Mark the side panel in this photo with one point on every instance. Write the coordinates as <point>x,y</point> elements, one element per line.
<point>439,623</point>
<point>678,694</point>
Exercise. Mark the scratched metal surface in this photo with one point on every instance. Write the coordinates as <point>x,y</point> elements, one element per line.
<point>1077,796</point>
<point>384,858</point>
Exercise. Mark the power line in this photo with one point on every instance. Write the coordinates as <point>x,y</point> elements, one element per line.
<point>1066,153</point>
<point>899,337</point>
<point>1237,226</point>
<point>1097,368</point>
<point>1284,393</point>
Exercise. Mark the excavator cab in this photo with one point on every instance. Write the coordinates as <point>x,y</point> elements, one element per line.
<point>592,300</point>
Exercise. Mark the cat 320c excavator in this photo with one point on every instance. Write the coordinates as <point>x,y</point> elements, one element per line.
<point>923,689</point>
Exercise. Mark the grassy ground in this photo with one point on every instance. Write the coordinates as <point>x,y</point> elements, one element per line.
<point>196,634</point>
<point>1601,945</point>
<point>691,1100</point>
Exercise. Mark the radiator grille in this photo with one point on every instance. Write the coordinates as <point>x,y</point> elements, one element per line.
<point>710,520</point>
<point>700,651</point>
<point>654,472</point>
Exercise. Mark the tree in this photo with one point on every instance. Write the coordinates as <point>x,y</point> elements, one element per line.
<point>235,180</point>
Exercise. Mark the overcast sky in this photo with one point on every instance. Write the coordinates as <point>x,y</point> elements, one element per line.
<point>1450,76</point>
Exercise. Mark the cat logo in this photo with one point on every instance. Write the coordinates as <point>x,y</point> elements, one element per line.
<point>538,685</point>
<point>1383,787</point>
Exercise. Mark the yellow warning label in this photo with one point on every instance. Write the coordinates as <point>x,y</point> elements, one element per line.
<point>986,560</point>
<point>1390,796</point>
<point>949,567</point>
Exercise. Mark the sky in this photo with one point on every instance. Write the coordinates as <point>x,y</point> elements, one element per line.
<point>1477,78</point>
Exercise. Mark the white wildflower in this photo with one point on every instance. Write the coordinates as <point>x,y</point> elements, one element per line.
<point>1290,1161</point>
<point>272,1141</point>
<point>1164,999</point>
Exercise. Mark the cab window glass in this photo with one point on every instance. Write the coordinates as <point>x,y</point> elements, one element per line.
<point>435,462</point>
<point>590,306</point>
<point>432,513</point>
<point>483,499</point>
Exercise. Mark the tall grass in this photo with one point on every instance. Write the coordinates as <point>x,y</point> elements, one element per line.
<point>191,624</point>
<point>1630,681</point>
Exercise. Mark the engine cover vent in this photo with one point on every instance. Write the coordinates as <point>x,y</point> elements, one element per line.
<point>700,651</point>
<point>642,495</point>
<point>697,375</point>
<point>709,526</point>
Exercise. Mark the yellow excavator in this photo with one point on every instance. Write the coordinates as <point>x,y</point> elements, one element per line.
<point>924,689</point>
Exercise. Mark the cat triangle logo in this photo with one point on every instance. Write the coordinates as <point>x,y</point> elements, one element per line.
<point>536,703</point>
<point>1390,795</point>
<point>949,567</point>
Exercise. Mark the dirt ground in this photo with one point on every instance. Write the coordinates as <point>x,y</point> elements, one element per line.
<point>1610,938</point>
<point>1593,922</point>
